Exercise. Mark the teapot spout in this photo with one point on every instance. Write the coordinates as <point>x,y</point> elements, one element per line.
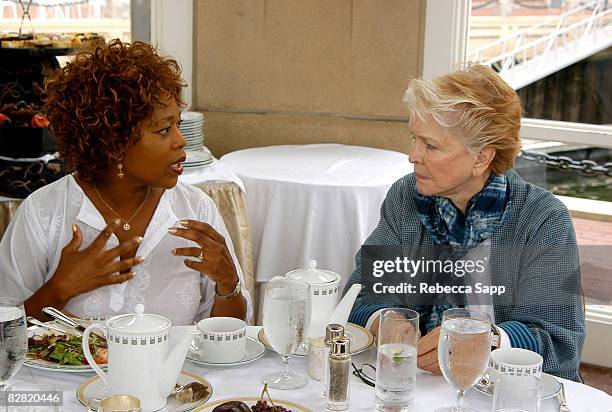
<point>174,362</point>
<point>341,314</point>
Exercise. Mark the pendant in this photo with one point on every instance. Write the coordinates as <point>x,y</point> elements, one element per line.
<point>126,227</point>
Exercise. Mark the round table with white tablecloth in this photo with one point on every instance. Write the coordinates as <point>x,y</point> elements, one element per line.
<point>317,201</point>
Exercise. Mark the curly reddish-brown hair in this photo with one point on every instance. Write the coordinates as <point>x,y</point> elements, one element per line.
<point>97,103</point>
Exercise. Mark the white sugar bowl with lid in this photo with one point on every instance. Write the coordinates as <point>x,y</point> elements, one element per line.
<point>325,309</point>
<point>140,363</point>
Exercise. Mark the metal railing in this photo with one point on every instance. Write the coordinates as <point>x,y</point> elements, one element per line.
<point>569,28</point>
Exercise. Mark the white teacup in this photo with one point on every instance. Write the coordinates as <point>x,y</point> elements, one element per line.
<point>222,340</point>
<point>514,361</point>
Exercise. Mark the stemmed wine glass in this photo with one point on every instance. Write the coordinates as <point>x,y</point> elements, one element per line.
<point>464,348</point>
<point>13,338</point>
<point>286,318</point>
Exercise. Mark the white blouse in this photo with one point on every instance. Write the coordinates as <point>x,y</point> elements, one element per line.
<point>32,245</point>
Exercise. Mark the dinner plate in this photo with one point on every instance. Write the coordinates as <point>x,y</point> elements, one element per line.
<point>94,388</point>
<point>191,116</point>
<point>197,156</point>
<point>252,401</point>
<point>361,339</point>
<point>550,387</point>
<point>254,351</point>
<point>191,126</point>
<point>52,366</point>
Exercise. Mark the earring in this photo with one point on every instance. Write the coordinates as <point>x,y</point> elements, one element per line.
<point>120,172</point>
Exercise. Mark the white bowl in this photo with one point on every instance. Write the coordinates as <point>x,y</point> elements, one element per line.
<point>222,339</point>
<point>514,361</point>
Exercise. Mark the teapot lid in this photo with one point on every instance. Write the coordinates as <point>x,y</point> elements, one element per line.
<point>139,322</point>
<point>312,275</point>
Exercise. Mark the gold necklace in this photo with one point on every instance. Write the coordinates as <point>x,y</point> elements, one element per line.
<point>126,223</point>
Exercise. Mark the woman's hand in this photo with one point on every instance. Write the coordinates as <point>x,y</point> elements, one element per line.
<point>395,331</point>
<point>428,352</point>
<point>213,256</point>
<point>83,270</point>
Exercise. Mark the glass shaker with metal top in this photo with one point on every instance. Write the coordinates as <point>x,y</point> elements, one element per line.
<point>338,385</point>
<point>332,332</point>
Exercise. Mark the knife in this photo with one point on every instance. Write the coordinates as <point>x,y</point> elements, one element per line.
<point>60,317</point>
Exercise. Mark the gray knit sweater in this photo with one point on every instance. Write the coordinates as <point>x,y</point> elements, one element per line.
<point>534,254</point>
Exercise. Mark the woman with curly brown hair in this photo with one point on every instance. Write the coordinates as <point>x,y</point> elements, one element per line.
<point>121,229</point>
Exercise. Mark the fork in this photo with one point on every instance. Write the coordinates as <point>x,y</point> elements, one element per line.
<point>562,401</point>
<point>40,324</point>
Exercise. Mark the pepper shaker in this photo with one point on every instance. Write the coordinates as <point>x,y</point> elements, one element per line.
<point>332,332</point>
<point>338,386</point>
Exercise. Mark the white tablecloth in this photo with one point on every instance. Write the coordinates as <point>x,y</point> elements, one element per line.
<point>431,391</point>
<point>316,201</point>
<point>215,171</point>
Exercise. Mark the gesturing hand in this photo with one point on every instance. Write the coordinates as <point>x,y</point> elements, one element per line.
<point>428,352</point>
<point>213,256</point>
<point>81,271</point>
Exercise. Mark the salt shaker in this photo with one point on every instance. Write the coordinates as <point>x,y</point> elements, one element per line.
<point>332,332</point>
<point>338,386</point>
<point>316,351</point>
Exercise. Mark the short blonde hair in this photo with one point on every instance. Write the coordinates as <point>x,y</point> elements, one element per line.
<point>475,104</point>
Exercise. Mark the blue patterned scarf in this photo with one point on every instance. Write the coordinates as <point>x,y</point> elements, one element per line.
<point>452,230</point>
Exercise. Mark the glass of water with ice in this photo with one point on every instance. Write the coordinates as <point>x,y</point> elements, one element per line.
<point>286,318</point>
<point>398,337</point>
<point>13,338</point>
<point>464,347</point>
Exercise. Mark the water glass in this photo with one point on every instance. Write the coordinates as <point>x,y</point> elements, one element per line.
<point>13,338</point>
<point>286,318</point>
<point>398,337</point>
<point>464,347</point>
<point>517,393</point>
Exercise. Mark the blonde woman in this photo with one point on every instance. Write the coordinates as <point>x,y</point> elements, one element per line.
<point>465,196</point>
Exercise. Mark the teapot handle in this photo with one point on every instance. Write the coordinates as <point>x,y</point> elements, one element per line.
<point>87,353</point>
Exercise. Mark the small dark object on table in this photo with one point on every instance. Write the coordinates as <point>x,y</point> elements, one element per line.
<point>232,406</point>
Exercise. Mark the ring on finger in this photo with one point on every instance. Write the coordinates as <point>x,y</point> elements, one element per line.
<point>201,255</point>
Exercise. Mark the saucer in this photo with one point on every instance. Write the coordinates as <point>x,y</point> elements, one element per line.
<point>254,351</point>
<point>94,388</point>
<point>550,387</point>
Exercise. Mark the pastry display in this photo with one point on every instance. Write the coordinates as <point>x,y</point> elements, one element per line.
<point>50,40</point>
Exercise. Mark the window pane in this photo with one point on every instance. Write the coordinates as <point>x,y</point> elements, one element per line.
<point>108,18</point>
<point>557,55</point>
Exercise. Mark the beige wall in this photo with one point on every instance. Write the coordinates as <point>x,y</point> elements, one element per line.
<point>305,71</point>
